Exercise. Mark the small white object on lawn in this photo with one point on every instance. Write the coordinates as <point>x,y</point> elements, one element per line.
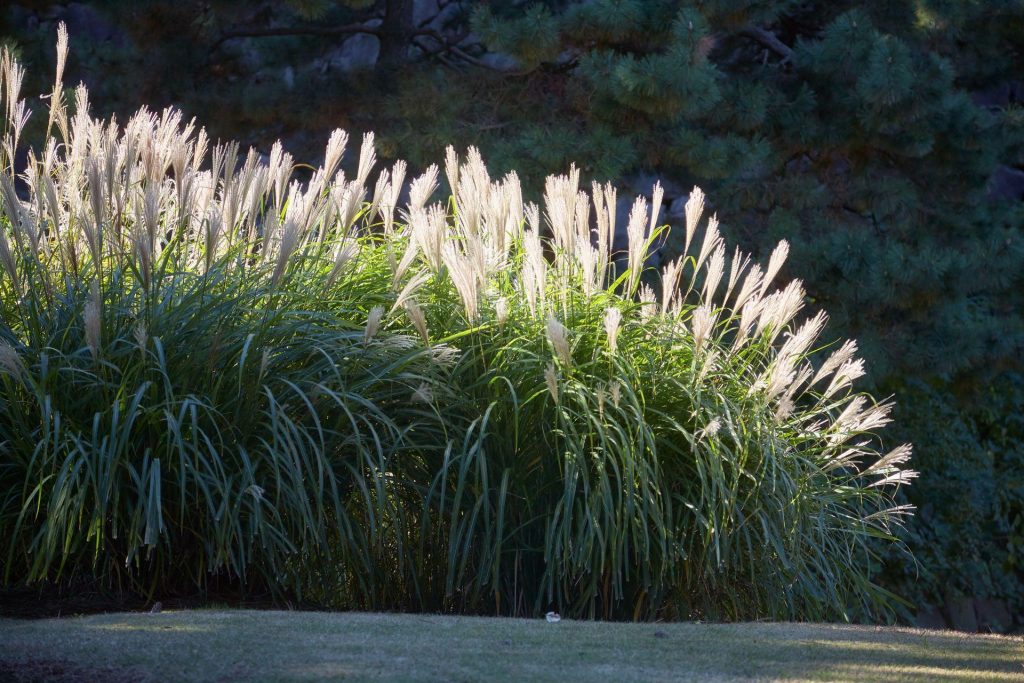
<point>552,617</point>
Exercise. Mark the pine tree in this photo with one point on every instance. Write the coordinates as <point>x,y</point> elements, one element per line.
<point>836,129</point>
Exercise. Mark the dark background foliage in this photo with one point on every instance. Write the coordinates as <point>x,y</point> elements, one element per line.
<point>885,141</point>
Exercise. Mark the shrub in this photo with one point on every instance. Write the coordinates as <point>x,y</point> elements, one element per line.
<point>968,535</point>
<point>212,370</point>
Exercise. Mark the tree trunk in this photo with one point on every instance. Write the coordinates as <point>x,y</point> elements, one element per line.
<point>396,32</point>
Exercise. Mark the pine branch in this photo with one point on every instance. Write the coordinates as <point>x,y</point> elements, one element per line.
<point>442,6</point>
<point>450,45</point>
<point>342,30</point>
<point>769,40</point>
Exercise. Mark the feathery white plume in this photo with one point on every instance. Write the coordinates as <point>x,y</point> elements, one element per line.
<point>422,188</point>
<point>501,310</point>
<point>671,274</point>
<point>713,274</point>
<point>703,322</point>
<point>775,262</point>
<point>372,323</point>
<point>612,320</point>
<point>414,283</point>
<point>464,276</point>
<point>418,319</point>
<point>367,160</point>
<point>91,317</point>
<point>10,361</point>
<point>558,335</point>
<point>636,232</point>
<point>615,391</point>
<point>551,379</point>
<point>336,145</point>
<point>694,210</point>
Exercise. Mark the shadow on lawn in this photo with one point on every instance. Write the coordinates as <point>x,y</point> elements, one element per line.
<point>883,654</point>
<point>31,670</point>
<point>47,601</point>
<point>232,645</point>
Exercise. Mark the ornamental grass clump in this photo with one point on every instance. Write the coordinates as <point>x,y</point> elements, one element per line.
<point>214,374</point>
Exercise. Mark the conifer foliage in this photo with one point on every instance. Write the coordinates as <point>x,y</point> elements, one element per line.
<point>832,125</point>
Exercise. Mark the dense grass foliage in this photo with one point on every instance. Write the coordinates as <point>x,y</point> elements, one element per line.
<point>212,370</point>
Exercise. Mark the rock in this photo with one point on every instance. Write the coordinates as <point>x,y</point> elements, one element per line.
<point>448,15</point>
<point>87,26</point>
<point>18,16</point>
<point>358,52</point>
<point>472,39</point>
<point>1006,183</point>
<point>499,61</point>
<point>801,164</point>
<point>643,182</point>
<point>961,614</point>
<point>993,615</point>
<point>248,56</point>
<point>620,239</point>
<point>999,96</point>
<point>423,10</point>
<point>930,617</point>
<point>677,209</point>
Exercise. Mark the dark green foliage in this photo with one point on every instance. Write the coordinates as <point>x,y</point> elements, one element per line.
<point>968,535</point>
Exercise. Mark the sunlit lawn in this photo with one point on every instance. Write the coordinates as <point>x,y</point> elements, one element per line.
<point>238,645</point>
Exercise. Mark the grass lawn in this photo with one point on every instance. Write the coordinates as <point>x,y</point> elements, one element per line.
<point>240,645</point>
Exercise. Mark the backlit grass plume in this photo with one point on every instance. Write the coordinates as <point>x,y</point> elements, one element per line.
<point>213,372</point>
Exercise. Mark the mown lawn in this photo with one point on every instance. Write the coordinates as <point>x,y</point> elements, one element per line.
<point>239,645</point>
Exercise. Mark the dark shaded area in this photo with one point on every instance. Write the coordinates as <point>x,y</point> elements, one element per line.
<point>83,597</point>
<point>35,670</point>
<point>49,601</point>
